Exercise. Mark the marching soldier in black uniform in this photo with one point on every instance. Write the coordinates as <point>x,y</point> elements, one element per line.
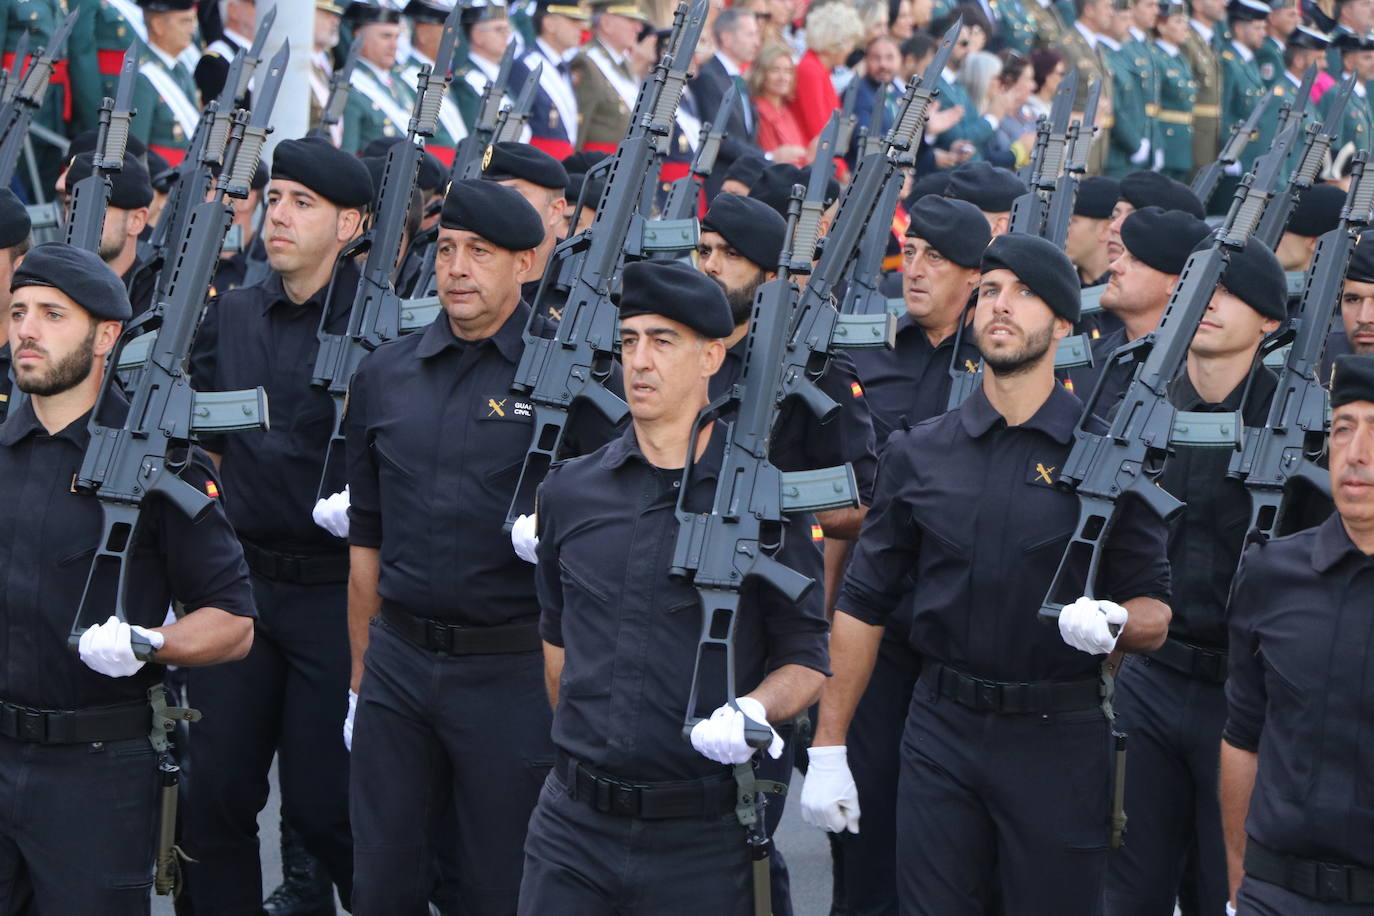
<point>1296,778</point>
<point>542,181</point>
<point>989,188</point>
<point>131,193</point>
<point>633,819</point>
<point>451,709</point>
<point>78,773</point>
<point>967,528</point>
<point>1317,212</point>
<point>1086,242</point>
<point>1170,701</point>
<point>289,697</point>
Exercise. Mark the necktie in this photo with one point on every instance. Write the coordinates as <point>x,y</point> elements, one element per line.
<point>743,91</point>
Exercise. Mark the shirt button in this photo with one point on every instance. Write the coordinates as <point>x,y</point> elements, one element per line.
<point>676,484</point>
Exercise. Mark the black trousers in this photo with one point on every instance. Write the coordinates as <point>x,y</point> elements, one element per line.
<point>1260,898</point>
<point>78,827</point>
<point>868,859</point>
<point>580,862</point>
<point>433,735</point>
<point>1174,726</point>
<point>1009,806</point>
<point>288,698</point>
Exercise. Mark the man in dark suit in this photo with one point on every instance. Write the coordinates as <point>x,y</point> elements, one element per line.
<point>737,44</point>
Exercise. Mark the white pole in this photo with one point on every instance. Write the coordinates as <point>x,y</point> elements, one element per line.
<point>295,24</point>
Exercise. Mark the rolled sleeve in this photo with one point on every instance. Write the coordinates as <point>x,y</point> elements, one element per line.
<point>1246,700</point>
<point>888,545</point>
<point>1136,559</point>
<point>797,632</point>
<point>364,487</point>
<point>548,585</point>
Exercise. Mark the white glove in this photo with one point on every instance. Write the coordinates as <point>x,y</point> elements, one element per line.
<point>829,797</point>
<point>108,649</point>
<point>721,737</point>
<point>1088,623</point>
<point>348,719</point>
<point>1159,160</point>
<point>524,540</point>
<point>1234,170</point>
<point>331,513</point>
<point>1230,910</point>
<point>1142,155</point>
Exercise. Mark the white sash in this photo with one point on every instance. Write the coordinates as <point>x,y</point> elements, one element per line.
<point>224,49</point>
<point>364,83</point>
<point>689,125</point>
<point>558,90</point>
<point>133,15</point>
<point>186,114</point>
<point>627,90</point>
<point>448,112</point>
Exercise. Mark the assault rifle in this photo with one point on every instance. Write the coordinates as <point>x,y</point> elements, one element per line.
<point>146,455</point>
<point>1320,135</point>
<point>511,122</point>
<point>90,197</point>
<point>1207,179</point>
<point>575,363</point>
<point>861,276</point>
<point>29,91</point>
<point>1127,459</point>
<point>376,314</point>
<point>1288,447</point>
<point>1030,210</point>
<point>686,191</point>
<point>1064,192</point>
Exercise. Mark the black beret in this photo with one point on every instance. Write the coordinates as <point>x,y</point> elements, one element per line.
<point>774,186</point>
<point>1096,197</point>
<point>1255,276</point>
<point>1044,269</point>
<point>675,290</point>
<point>259,177</point>
<point>79,273</point>
<point>1352,379</point>
<point>1151,189</point>
<point>930,183</point>
<point>495,212</point>
<point>583,160</point>
<point>380,146</point>
<point>832,187</point>
<point>1317,212</point>
<point>376,166</point>
<point>316,163</point>
<point>577,181</point>
<point>987,187</point>
<point>163,176</point>
<point>746,170</point>
<point>752,228</point>
<point>432,173</point>
<point>85,142</point>
<point>130,187</point>
<point>15,224</point>
<point>1162,239</point>
<point>508,159</point>
<point>1247,10</point>
<point>955,228</point>
<point>1361,267</point>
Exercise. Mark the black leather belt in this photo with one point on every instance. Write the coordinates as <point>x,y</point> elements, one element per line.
<point>74,726</point>
<point>1193,661</point>
<point>1035,697</point>
<point>647,800</point>
<point>521,635</point>
<point>296,568</point>
<point>1326,882</point>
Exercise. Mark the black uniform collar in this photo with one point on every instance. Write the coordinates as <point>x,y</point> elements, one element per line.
<point>1056,418</point>
<point>625,448</point>
<point>344,281</point>
<point>509,340</point>
<point>907,325</point>
<point>1333,544</point>
<point>24,423</point>
<point>1186,397</point>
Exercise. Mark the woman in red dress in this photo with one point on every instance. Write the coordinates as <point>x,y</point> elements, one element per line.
<point>832,32</point>
<point>772,81</point>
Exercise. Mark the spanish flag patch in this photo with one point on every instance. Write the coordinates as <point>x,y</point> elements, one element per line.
<point>211,490</point>
<point>856,389</point>
<point>1068,383</point>
<point>817,533</point>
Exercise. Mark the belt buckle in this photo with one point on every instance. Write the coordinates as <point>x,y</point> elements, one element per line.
<point>439,635</point>
<point>31,725</point>
<point>1333,883</point>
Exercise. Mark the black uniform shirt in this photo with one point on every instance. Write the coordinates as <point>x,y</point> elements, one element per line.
<point>1300,695</point>
<point>968,523</point>
<point>436,442</point>
<point>1206,539</point>
<point>911,381</point>
<point>46,550</point>
<point>255,336</point>
<point>629,631</point>
<point>803,443</point>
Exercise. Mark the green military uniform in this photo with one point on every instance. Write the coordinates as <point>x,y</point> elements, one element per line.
<point>1130,131</point>
<point>1357,125</point>
<point>1049,28</point>
<point>1269,60</point>
<point>1089,60</point>
<point>1205,67</point>
<point>1340,37</point>
<point>1242,89</point>
<point>379,105</point>
<point>1177,96</point>
<point>39,19</point>
<point>165,97</point>
<point>1016,26</point>
<point>113,35</point>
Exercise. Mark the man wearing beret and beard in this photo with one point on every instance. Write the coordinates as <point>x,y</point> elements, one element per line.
<point>1004,789</point>
<point>289,697</point>
<point>443,619</point>
<point>633,819</point>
